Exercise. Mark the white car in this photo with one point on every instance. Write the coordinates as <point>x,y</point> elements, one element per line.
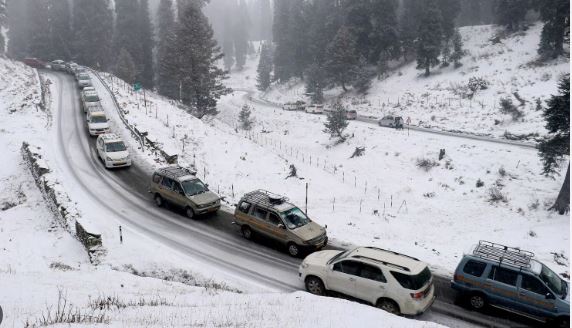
<point>83,80</point>
<point>315,109</point>
<point>394,282</point>
<point>89,98</point>
<point>112,151</point>
<point>97,122</point>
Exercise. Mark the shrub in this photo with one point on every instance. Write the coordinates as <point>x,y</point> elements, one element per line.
<point>507,107</point>
<point>496,195</point>
<point>475,84</point>
<point>480,183</point>
<point>426,164</point>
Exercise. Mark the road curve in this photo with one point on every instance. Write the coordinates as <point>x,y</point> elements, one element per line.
<point>213,240</point>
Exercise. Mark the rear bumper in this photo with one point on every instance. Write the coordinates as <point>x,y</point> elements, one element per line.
<point>420,312</point>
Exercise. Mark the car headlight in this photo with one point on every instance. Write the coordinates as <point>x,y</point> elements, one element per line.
<point>304,265</point>
<point>108,159</point>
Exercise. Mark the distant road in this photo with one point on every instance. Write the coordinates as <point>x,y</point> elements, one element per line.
<point>373,120</point>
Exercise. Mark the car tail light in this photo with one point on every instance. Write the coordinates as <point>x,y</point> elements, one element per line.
<point>455,277</point>
<point>418,295</point>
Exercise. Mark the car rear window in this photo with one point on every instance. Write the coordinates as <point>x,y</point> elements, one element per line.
<point>371,273</point>
<point>474,268</point>
<point>413,282</point>
<point>503,275</point>
<point>156,178</point>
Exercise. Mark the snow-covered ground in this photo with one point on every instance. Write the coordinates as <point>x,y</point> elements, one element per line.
<point>45,271</point>
<point>382,198</point>
<point>510,68</point>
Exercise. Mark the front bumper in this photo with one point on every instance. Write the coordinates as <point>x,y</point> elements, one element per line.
<point>114,164</point>
<point>96,132</point>
<point>321,244</point>
<point>209,209</point>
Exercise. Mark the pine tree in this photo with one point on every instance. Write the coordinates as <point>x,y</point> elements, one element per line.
<point>228,44</point>
<point>39,26</point>
<point>449,11</point>
<point>409,26</point>
<point>61,34</point>
<point>93,26</point>
<point>315,82</point>
<point>167,84</point>
<point>125,67</point>
<point>458,51</point>
<point>358,20</point>
<point>284,50</point>
<point>242,24</point>
<point>264,67</point>
<point>342,58</point>
<point>265,20</point>
<point>557,146</point>
<point>126,34</point>
<point>556,17</point>
<point>385,33</point>
<point>511,13</point>
<point>337,122</point>
<point>430,37</point>
<point>363,76</point>
<point>18,28</point>
<point>198,53</point>
<point>244,118</point>
<point>3,19</point>
<point>145,29</point>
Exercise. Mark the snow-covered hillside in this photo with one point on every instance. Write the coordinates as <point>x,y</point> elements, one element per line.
<point>510,68</point>
<point>46,276</point>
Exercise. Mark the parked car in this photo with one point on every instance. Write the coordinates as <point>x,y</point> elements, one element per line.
<point>93,107</point>
<point>97,122</point>
<point>181,187</point>
<point>351,114</point>
<point>88,97</point>
<point>394,282</point>
<point>58,65</point>
<point>391,121</point>
<point>71,67</point>
<point>34,62</point>
<point>273,216</point>
<point>78,71</point>
<point>289,106</point>
<point>315,109</point>
<point>83,80</point>
<point>112,151</point>
<point>511,279</point>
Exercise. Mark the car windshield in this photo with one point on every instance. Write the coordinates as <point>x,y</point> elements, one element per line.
<point>98,119</point>
<point>115,146</point>
<point>294,218</point>
<point>91,98</point>
<point>194,187</point>
<point>83,77</point>
<point>552,280</point>
<point>413,282</point>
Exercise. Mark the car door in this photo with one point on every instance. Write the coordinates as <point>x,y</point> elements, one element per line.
<point>276,227</point>
<point>342,277</point>
<point>166,188</point>
<point>370,284</point>
<point>259,222</point>
<point>532,294</point>
<point>179,197</point>
<point>100,150</point>
<point>501,284</point>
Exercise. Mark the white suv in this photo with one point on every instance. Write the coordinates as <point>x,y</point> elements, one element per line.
<point>112,151</point>
<point>394,282</point>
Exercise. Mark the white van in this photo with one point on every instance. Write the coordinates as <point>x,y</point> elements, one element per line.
<point>315,109</point>
<point>97,122</point>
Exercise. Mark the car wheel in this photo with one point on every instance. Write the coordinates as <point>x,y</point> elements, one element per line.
<point>477,301</point>
<point>388,305</point>
<point>562,322</point>
<point>159,200</point>
<point>315,286</point>
<point>293,249</point>
<point>246,232</point>
<point>190,213</point>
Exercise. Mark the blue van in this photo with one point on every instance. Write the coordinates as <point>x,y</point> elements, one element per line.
<point>510,279</point>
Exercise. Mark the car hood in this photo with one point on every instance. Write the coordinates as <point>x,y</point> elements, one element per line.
<point>320,258</point>
<point>117,155</point>
<point>204,198</point>
<point>309,231</point>
<point>104,125</point>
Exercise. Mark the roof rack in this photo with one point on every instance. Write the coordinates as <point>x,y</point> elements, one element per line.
<point>265,198</point>
<point>512,256</point>
<point>175,172</point>
<point>392,252</point>
<point>397,266</point>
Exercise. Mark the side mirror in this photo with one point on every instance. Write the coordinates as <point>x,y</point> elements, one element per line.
<point>550,296</point>
<point>281,226</point>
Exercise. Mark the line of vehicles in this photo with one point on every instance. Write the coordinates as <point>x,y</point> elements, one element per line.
<point>488,275</point>
<point>390,121</point>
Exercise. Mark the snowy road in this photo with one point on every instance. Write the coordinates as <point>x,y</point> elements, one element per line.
<point>213,241</point>
<point>373,120</point>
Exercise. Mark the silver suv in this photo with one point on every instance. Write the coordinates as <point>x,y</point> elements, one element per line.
<point>181,187</point>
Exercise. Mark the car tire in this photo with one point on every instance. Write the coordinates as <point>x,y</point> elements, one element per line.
<point>246,232</point>
<point>477,301</point>
<point>561,322</point>
<point>190,213</point>
<point>314,285</point>
<point>293,249</point>
<point>388,305</point>
<point>159,200</point>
